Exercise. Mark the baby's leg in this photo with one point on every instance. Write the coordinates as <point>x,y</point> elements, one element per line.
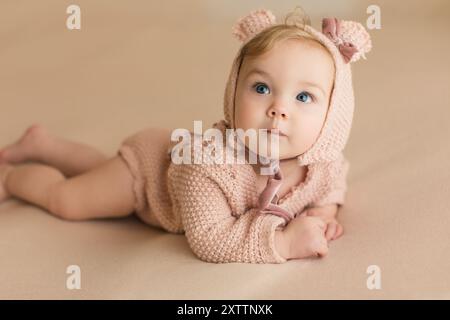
<point>105,191</point>
<point>37,144</point>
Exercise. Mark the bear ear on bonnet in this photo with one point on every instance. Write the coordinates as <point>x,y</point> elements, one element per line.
<point>252,24</point>
<point>350,37</point>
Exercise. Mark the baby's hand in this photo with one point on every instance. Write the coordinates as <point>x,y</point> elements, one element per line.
<point>303,237</point>
<point>328,215</point>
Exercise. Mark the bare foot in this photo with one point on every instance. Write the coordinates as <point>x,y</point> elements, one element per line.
<point>4,170</point>
<point>26,148</point>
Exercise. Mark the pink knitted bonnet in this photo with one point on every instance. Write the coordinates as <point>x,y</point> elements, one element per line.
<point>347,41</point>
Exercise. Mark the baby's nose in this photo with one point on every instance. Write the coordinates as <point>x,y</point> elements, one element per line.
<point>276,111</point>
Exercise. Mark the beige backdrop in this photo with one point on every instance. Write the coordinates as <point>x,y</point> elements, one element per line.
<point>164,63</point>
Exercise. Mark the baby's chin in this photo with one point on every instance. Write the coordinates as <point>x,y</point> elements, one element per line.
<point>285,151</point>
<point>291,153</point>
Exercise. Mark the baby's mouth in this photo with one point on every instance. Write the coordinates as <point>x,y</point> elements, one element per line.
<point>277,131</point>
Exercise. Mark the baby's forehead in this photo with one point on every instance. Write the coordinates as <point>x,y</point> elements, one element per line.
<point>298,58</point>
<point>293,52</point>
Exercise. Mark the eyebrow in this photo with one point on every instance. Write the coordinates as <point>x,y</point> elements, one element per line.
<point>307,83</point>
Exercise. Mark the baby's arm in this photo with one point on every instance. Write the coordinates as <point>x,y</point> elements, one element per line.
<point>214,232</point>
<point>332,197</point>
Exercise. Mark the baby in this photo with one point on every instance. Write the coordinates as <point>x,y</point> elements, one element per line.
<point>287,78</point>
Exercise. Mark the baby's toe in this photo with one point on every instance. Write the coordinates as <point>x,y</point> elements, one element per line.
<point>331,231</point>
<point>4,170</point>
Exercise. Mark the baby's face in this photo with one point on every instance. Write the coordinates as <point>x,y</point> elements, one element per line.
<point>287,88</point>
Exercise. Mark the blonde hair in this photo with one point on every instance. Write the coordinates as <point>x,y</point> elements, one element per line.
<point>292,28</point>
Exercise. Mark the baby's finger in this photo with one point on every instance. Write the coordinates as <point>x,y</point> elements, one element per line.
<point>322,250</point>
<point>331,231</point>
<point>320,223</point>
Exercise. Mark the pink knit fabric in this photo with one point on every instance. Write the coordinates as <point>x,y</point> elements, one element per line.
<point>216,206</point>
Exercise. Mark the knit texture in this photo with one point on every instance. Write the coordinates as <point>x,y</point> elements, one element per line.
<point>252,24</point>
<point>215,205</point>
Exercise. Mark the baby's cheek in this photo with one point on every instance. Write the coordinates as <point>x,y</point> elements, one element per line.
<point>302,139</point>
<point>246,117</point>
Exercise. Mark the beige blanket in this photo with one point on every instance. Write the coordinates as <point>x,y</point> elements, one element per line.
<point>165,64</point>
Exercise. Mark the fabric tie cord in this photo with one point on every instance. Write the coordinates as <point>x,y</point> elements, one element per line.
<point>268,199</point>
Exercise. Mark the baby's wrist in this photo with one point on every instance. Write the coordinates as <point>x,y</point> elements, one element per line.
<point>282,244</point>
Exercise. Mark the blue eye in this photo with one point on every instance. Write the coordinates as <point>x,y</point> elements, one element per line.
<point>304,97</point>
<point>261,88</point>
